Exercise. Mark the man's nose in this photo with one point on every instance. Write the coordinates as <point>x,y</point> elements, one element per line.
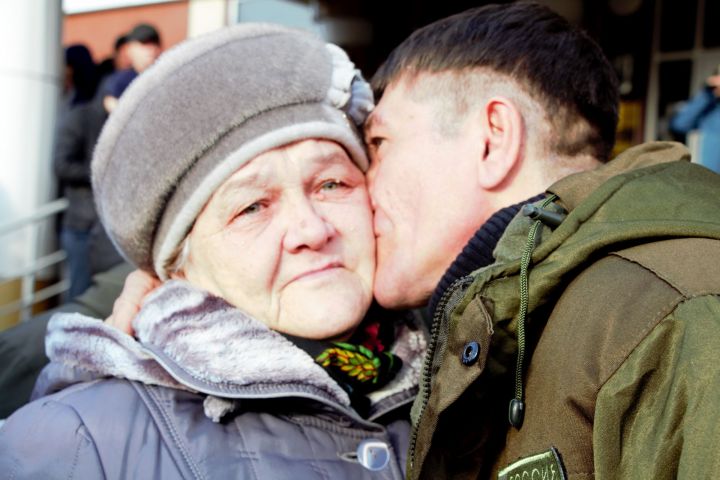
<point>306,227</point>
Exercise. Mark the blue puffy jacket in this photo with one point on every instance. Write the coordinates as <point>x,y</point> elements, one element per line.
<point>702,113</point>
<point>206,392</point>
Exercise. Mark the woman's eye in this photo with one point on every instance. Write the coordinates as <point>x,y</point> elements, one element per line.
<point>331,185</point>
<point>250,209</point>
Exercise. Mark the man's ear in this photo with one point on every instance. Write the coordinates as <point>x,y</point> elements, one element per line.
<point>504,136</point>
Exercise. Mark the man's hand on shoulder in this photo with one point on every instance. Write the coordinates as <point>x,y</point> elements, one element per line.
<point>137,286</point>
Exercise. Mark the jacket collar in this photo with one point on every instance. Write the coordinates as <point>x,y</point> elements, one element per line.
<point>188,339</point>
<point>575,188</point>
<point>478,252</point>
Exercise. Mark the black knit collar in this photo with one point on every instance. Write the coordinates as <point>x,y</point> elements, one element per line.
<point>365,362</point>
<point>478,252</point>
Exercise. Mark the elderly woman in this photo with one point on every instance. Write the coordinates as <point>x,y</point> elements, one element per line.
<point>232,170</point>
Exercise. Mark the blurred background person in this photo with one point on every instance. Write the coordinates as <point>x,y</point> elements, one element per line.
<point>78,128</point>
<point>82,236</point>
<point>702,113</point>
<point>143,47</point>
<point>81,77</point>
<point>119,60</point>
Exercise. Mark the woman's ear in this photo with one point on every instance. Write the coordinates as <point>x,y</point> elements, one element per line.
<point>177,267</point>
<point>504,135</point>
<point>178,270</point>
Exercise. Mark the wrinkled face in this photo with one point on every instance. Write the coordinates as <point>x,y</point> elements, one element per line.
<point>424,192</point>
<point>288,239</point>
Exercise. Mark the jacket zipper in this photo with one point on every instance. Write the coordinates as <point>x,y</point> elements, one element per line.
<point>430,354</point>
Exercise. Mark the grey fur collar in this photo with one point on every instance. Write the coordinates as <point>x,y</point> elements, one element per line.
<point>191,340</point>
<point>188,339</point>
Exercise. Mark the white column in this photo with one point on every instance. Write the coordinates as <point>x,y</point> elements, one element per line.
<point>206,15</point>
<point>30,85</point>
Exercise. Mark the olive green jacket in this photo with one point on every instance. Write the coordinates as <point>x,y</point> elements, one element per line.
<point>622,372</point>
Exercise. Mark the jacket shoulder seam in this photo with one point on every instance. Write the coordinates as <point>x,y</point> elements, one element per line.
<point>660,277</point>
<point>653,321</point>
<point>666,274</point>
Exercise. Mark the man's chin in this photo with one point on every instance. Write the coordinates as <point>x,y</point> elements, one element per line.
<point>395,297</point>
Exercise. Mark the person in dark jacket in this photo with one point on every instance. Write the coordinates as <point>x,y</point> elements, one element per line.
<point>81,75</point>
<point>81,235</point>
<point>79,126</point>
<point>233,171</point>
<point>142,46</point>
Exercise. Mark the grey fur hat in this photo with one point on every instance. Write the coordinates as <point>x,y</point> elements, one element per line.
<point>207,107</point>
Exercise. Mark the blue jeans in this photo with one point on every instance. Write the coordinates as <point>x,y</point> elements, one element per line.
<point>76,245</point>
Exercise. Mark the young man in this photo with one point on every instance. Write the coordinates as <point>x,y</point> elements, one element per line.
<point>143,47</point>
<point>581,344</point>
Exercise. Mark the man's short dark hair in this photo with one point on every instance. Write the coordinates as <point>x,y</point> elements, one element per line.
<point>558,64</point>
<point>144,33</point>
<point>120,41</point>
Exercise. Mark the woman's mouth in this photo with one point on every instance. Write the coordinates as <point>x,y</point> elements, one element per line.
<point>318,272</point>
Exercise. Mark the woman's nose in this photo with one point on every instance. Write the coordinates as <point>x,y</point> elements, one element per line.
<point>307,228</point>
